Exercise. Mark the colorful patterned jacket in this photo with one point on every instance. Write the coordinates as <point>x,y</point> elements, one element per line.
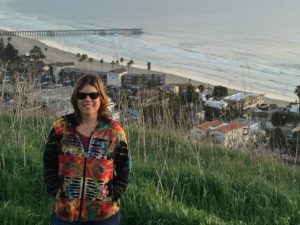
<point>86,185</point>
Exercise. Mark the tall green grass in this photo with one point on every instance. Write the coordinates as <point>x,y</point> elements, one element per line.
<point>173,180</point>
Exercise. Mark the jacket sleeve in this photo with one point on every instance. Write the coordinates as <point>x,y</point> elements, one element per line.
<point>122,169</point>
<point>51,164</point>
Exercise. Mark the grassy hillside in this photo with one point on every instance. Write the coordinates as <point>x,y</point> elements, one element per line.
<point>173,181</point>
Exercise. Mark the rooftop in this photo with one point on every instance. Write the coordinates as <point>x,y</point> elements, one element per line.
<point>225,128</point>
<point>207,125</point>
<point>119,70</point>
<point>216,104</point>
<point>294,108</point>
<point>240,96</point>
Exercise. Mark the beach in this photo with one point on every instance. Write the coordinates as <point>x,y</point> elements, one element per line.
<point>54,55</point>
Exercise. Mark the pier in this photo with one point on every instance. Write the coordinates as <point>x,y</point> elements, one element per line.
<point>55,33</point>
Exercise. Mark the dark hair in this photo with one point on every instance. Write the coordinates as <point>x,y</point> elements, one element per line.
<point>96,82</point>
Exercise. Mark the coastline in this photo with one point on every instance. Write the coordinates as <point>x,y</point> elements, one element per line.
<point>57,55</point>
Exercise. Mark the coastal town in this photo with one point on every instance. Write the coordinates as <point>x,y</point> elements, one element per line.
<point>213,114</point>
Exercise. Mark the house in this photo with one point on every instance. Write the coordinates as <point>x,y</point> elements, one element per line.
<point>220,105</point>
<point>244,100</point>
<point>114,77</point>
<point>200,132</point>
<point>293,107</point>
<point>143,80</point>
<point>228,134</point>
<point>56,68</point>
<point>173,88</point>
<point>232,134</point>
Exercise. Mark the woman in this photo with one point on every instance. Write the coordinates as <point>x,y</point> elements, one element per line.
<point>86,161</point>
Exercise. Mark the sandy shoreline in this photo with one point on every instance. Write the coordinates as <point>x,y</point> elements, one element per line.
<point>57,55</point>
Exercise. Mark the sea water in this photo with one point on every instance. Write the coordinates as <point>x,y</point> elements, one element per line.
<point>252,46</point>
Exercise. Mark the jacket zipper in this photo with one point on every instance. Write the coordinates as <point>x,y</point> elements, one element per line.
<point>84,175</point>
<point>83,187</point>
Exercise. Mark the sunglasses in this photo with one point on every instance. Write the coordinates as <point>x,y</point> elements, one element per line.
<point>83,95</point>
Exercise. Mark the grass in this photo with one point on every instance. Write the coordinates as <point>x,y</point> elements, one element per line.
<point>173,181</point>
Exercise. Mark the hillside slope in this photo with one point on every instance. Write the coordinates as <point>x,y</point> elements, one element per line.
<point>173,181</point>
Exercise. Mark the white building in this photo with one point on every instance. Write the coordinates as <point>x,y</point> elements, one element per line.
<point>174,88</point>
<point>221,105</point>
<point>294,107</point>
<point>228,134</point>
<point>233,134</point>
<point>201,131</point>
<point>244,100</point>
<point>114,77</point>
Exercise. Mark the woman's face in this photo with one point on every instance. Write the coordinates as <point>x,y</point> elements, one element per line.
<point>87,100</point>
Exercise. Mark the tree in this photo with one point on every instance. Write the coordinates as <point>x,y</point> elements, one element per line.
<point>292,118</point>
<point>128,67</point>
<point>149,66</point>
<point>36,53</point>
<point>121,60</point>
<point>190,93</point>
<point>277,137</point>
<point>151,83</point>
<point>201,89</point>
<point>278,119</point>
<point>101,61</point>
<point>131,63</point>
<point>82,59</point>
<point>91,60</point>
<point>112,64</point>
<point>10,53</point>
<point>297,92</point>
<point>220,91</point>
<point>2,49</point>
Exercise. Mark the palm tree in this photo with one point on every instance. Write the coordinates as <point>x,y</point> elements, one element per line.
<point>78,55</point>
<point>112,64</point>
<point>201,89</point>
<point>131,63</point>
<point>83,58</point>
<point>101,61</point>
<point>149,66</point>
<point>128,67</point>
<point>117,63</point>
<point>297,92</point>
<point>81,61</point>
<point>121,60</point>
<point>91,60</point>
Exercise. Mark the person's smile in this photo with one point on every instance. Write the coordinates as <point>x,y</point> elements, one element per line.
<point>89,104</point>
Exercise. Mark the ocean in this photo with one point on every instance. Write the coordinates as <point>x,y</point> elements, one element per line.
<point>251,46</point>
